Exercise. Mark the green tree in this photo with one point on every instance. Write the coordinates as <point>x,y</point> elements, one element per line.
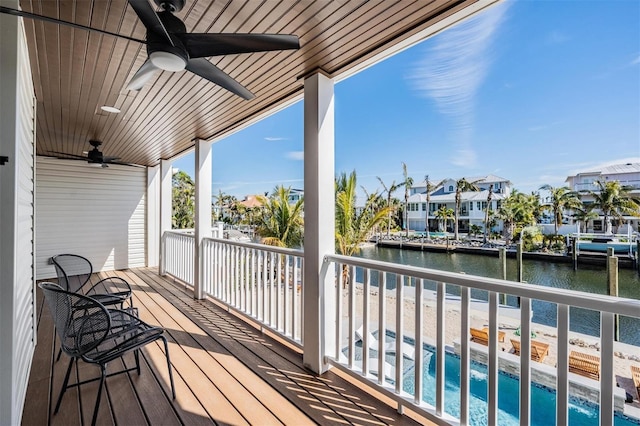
<point>280,223</point>
<point>561,198</point>
<point>462,185</point>
<point>429,188</point>
<point>183,201</point>
<point>407,183</point>
<point>474,229</point>
<point>487,213</point>
<point>614,200</point>
<point>584,215</point>
<point>390,207</point>
<point>354,226</point>
<point>518,209</point>
<point>444,214</point>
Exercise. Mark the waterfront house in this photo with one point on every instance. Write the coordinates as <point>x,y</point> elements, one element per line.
<point>55,81</point>
<point>472,206</point>
<point>627,174</point>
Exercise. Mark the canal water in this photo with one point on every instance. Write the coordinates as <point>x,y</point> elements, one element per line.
<point>591,279</point>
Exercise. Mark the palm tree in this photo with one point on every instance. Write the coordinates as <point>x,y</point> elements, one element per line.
<point>407,183</point>
<point>462,185</point>
<point>561,198</point>
<point>518,209</point>
<point>613,199</point>
<point>389,191</point>
<point>487,214</point>
<point>430,187</point>
<point>444,214</point>
<point>584,215</point>
<point>353,228</point>
<point>280,223</point>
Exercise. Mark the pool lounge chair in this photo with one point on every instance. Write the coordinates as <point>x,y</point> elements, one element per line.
<point>635,375</point>
<point>482,336</point>
<point>539,350</point>
<point>408,351</point>
<point>584,364</point>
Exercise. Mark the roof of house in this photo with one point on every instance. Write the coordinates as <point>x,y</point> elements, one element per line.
<point>614,169</point>
<point>251,201</point>
<point>450,197</point>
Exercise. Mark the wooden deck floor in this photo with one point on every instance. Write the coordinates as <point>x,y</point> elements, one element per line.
<point>225,370</point>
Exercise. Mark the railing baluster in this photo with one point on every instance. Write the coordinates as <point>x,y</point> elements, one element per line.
<point>287,293</point>
<point>382,326</point>
<point>294,300</point>
<point>419,359</point>
<point>492,392</point>
<point>465,359</point>
<point>440,346</point>
<point>607,336</point>
<point>399,332</point>
<point>278,293</point>
<point>339,310</point>
<point>365,320</point>
<point>562,393</point>
<point>352,316</point>
<point>525,360</point>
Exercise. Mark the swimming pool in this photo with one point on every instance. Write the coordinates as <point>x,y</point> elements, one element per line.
<point>543,400</point>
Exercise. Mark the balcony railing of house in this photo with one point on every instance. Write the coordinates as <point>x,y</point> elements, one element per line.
<point>178,248</point>
<point>265,283</point>
<point>592,186</point>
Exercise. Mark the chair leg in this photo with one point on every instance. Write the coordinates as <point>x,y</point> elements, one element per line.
<point>166,351</point>
<point>59,354</point>
<point>64,385</point>
<point>136,354</point>
<point>100,386</point>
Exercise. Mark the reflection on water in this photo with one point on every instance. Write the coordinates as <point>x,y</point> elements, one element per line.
<point>591,279</point>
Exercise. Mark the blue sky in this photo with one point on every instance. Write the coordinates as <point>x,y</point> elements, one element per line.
<point>531,91</point>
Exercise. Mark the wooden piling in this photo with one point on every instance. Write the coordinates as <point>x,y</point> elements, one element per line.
<point>574,253</point>
<point>503,263</point>
<point>519,260</point>
<point>612,284</point>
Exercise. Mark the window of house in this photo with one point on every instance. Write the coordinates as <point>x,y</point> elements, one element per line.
<point>450,188</point>
<point>424,207</point>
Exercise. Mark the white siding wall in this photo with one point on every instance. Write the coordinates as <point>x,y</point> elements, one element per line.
<point>17,313</point>
<point>95,212</point>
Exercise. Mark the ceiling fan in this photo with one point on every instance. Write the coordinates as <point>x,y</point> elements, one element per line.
<point>171,48</point>
<point>94,156</point>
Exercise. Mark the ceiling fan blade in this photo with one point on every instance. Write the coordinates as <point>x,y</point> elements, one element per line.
<point>204,45</point>
<point>149,18</point>
<point>79,157</point>
<point>141,76</point>
<point>120,163</point>
<point>23,14</point>
<point>207,70</point>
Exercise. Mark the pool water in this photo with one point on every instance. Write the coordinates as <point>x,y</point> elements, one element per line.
<point>543,401</point>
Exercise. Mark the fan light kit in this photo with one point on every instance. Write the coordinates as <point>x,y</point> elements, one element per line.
<point>111,109</point>
<point>167,61</point>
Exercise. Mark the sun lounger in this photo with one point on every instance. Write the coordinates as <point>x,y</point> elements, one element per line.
<point>635,375</point>
<point>482,336</point>
<point>584,364</point>
<point>539,350</point>
<point>408,350</point>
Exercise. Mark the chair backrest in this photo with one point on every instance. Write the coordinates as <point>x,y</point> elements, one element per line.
<point>82,323</point>
<point>479,336</point>
<point>73,271</point>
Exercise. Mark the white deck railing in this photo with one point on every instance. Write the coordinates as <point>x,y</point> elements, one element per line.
<point>177,260</point>
<point>263,282</point>
<point>357,302</point>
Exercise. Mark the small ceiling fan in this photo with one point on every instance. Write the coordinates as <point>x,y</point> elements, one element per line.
<point>94,156</point>
<point>171,48</point>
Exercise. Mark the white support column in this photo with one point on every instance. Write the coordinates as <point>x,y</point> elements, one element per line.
<point>153,216</point>
<point>203,210</point>
<point>166,175</point>
<point>319,211</point>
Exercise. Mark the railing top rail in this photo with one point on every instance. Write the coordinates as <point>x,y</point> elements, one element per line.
<point>183,232</point>
<point>597,302</point>
<point>281,250</point>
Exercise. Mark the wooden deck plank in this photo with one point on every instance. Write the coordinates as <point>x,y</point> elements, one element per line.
<point>226,371</point>
<point>255,349</point>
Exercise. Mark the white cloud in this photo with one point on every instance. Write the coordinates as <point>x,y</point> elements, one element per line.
<point>274,138</point>
<point>557,37</point>
<point>636,61</point>
<point>453,70</point>
<point>295,155</point>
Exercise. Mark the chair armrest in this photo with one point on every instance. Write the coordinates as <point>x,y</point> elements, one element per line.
<point>116,284</point>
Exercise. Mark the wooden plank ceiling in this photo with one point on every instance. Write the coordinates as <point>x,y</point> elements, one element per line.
<point>76,71</point>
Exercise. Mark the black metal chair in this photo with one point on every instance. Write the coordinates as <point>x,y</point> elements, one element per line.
<point>74,273</point>
<point>97,335</point>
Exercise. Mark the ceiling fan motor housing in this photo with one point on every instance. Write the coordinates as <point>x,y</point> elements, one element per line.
<point>172,5</point>
<point>158,43</point>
